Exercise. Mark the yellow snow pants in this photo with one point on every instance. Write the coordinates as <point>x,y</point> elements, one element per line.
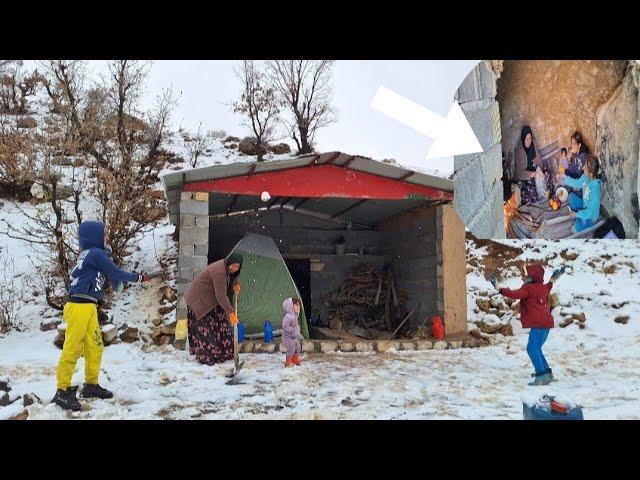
<point>83,335</point>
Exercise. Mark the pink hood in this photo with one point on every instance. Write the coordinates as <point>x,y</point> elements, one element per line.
<point>288,306</point>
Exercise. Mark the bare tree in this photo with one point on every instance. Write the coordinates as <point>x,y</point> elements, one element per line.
<point>132,150</point>
<point>304,89</point>
<point>257,103</point>
<point>196,144</point>
<point>10,293</point>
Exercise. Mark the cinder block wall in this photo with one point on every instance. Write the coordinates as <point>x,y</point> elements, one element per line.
<point>194,243</point>
<point>410,243</point>
<point>332,275</point>
<point>428,253</point>
<point>296,236</point>
<point>477,177</point>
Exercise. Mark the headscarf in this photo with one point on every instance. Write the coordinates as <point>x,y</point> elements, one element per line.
<point>233,257</point>
<point>531,151</point>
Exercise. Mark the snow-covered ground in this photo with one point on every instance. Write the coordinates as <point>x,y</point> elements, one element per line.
<point>483,383</point>
<point>597,367</point>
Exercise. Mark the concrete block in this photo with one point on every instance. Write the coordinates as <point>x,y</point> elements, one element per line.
<point>308,346</point>
<point>186,250</point>
<point>185,274</point>
<point>187,220</point>
<point>479,84</point>
<point>194,235</point>
<point>202,221</point>
<point>492,166</point>
<point>195,262</point>
<point>364,347</point>
<point>387,345</point>
<point>484,118</point>
<point>201,250</point>
<point>424,345</point>
<point>197,208</point>
<point>328,346</point>
<point>489,220</point>
<point>440,345</point>
<point>408,345</point>
<point>469,190</point>
<point>346,347</point>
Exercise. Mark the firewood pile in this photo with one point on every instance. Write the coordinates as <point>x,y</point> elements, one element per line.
<point>367,304</point>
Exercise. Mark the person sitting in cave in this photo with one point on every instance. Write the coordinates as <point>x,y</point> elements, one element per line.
<point>562,164</point>
<point>585,210</point>
<point>528,166</point>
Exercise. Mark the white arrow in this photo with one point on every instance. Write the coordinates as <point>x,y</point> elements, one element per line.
<point>451,135</point>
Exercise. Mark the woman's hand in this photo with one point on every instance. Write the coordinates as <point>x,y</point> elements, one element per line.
<point>233,318</point>
<point>236,288</point>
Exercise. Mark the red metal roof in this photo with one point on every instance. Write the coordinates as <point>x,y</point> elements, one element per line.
<point>319,181</point>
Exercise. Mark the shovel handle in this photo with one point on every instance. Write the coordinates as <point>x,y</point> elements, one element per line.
<point>236,358</point>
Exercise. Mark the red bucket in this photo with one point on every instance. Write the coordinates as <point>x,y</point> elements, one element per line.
<point>437,328</point>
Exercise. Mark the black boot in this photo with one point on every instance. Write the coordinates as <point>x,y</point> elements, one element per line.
<point>95,391</point>
<point>67,399</point>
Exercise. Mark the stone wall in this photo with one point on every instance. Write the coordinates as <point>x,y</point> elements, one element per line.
<point>194,243</point>
<point>617,147</point>
<point>477,181</point>
<point>555,97</point>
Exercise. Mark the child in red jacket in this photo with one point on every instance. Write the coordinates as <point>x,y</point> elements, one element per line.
<point>535,314</point>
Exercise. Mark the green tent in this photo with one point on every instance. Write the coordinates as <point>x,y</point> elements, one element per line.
<point>266,283</point>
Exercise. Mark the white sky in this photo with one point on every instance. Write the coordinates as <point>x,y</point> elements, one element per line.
<point>205,88</point>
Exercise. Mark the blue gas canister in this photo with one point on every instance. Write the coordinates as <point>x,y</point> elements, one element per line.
<point>268,332</point>
<point>240,332</point>
<point>549,409</point>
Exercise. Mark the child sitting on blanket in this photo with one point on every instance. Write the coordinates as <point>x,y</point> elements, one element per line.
<point>585,210</point>
<point>562,165</point>
<point>291,335</point>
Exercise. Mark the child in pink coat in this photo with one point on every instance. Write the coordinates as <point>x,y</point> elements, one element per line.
<point>291,331</point>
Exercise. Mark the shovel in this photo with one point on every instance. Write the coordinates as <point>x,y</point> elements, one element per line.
<point>237,364</point>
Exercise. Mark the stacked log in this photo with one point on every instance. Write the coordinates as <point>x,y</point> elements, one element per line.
<point>366,303</point>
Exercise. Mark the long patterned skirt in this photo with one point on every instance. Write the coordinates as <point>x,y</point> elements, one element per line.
<point>211,337</point>
<point>528,191</point>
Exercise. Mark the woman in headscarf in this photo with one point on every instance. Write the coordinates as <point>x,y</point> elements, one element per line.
<point>210,313</point>
<point>526,162</point>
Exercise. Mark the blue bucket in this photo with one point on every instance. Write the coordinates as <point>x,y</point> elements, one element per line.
<point>240,332</point>
<point>268,332</point>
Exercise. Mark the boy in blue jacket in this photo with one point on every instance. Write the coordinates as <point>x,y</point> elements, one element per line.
<point>585,210</point>
<point>83,334</point>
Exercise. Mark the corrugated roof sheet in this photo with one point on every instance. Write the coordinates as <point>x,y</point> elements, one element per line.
<point>173,181</point>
